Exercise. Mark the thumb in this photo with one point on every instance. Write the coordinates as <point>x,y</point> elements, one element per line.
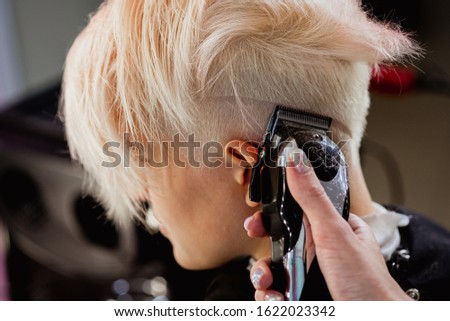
<point>306,189</point>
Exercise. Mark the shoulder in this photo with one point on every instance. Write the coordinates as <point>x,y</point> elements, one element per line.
<point>422,261</point>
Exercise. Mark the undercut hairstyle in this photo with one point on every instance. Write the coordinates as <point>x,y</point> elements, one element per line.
<point>216,68</point>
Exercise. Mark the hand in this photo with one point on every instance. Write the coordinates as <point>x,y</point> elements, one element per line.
<point>348,254</point>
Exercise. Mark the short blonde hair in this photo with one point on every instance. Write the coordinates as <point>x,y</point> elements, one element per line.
<point>152,68</point>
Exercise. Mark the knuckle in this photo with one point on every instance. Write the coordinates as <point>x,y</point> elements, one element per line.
<point>333,234</point>
<point>315,191</point>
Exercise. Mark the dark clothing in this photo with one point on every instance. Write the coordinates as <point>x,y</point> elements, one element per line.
<point>232,283</point>
<point>421,262</point>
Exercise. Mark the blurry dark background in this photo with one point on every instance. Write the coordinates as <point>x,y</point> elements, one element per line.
<point>57,242</point>
<point>407,144</point>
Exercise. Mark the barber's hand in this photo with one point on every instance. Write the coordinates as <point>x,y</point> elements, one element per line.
<point>348,254</point>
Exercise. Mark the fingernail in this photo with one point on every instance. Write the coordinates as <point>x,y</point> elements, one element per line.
<point>273,297</point>
<point>247,222</point>
<point>256,277</point>
<point>294,156</point>
<point>298,159</point>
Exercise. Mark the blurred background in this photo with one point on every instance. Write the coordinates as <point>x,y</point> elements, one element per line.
<point>54,241</point>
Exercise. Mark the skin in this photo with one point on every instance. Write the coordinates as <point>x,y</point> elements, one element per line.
<point>202,211</point>
<point>348,253</point>
<point>204,224</point>
<point>186,206</point>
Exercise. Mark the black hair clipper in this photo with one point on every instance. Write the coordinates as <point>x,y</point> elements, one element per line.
<point>282,216</point>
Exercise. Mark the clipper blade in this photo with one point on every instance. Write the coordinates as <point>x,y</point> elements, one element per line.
<point>303,117</point>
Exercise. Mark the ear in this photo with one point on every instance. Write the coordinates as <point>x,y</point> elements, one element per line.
<point>241,156</point>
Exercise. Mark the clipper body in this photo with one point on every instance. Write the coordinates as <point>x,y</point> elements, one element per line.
<point>282,216</point>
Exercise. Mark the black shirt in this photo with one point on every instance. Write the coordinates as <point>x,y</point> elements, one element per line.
<point>421,264</point>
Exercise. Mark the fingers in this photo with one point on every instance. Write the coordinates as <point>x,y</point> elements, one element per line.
<point>262,279</point>
<point>268,295</point>
<point>260,275</point>
<point>357,224</point>
<point>310,250</point>
<point>307,190</point>
<point>362,230</point>
<point>254,226</point>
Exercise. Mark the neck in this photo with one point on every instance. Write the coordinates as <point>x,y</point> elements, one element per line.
<point>360,199</point>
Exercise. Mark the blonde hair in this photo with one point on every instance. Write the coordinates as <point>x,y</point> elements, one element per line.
<point>153,68</point>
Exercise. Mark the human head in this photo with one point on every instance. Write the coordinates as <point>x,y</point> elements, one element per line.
<point>154,68</point>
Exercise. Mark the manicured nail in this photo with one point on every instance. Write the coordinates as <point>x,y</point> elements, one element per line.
<point>247,222</point>
<point>298,159</point>
<point>273,297</point>
<point>294,156</point>
<point>256,277</point>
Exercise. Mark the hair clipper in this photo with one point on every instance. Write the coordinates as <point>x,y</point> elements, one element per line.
<point>282,216</point>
